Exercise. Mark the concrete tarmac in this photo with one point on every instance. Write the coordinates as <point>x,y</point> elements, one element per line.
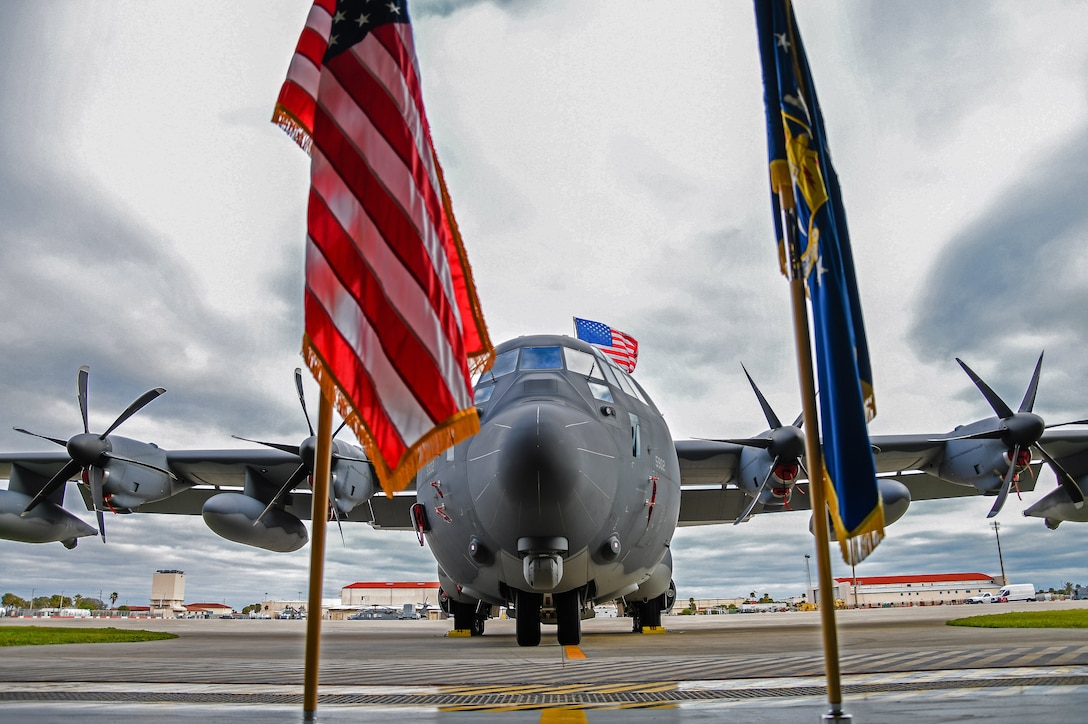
<point>897,665</point>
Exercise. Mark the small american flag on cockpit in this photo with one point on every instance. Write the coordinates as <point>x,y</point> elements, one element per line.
<point>621,347</point>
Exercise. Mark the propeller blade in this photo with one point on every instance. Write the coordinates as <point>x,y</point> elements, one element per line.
<point>296,477</point>
<point>62,443</point>
<point>283,447</point>
<point>81,387</point>
<point>1005,484</point>
<point>1064,478</point>
<point>97,498</point>
<point>132,409</point>
<point>302,400</point>
<point>996,403</point>
<point>752,504</point>
<point>70,468</point>
<point>141,463</point>
<point>772,419</point>
<point>761,442</point>
<point>1056,424</point>
<point>1033,387</point>
<point>984,435</point>
<point>336,514</point>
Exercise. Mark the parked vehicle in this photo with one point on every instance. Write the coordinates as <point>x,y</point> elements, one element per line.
<point>1017,592</point>
<point>1011,592</point>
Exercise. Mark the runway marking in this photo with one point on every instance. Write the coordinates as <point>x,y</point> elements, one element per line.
<point>563,716</point>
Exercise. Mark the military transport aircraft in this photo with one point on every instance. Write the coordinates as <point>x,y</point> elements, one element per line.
<point>568,496</point>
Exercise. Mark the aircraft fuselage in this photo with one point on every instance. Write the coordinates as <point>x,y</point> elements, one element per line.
<point>571,487</point>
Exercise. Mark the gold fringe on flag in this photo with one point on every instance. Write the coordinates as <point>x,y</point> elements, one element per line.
<point>857,544</point>
<point>293,127</point>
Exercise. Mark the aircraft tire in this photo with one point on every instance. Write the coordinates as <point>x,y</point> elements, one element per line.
<point>464,616</point>
<point>649,613</point>
<point>528,619</point>
<point>478,624</point>
<point>569,618</point>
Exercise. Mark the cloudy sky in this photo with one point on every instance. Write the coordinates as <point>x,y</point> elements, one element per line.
<point>606,160</point>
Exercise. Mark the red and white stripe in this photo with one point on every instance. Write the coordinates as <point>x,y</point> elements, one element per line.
<point>391,315</point>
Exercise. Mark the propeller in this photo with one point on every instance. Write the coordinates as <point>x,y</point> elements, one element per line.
<point>90,452</point>
<point>307,451</point>
<point>785,445</point>
<point>1020,431</point>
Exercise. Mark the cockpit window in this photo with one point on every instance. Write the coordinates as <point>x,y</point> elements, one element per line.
<point>601,392</point>
<point>505,363</point>
<point>541,358</point>
<point>625,383</point>
<point>582,363</point>
<point>483,394</point>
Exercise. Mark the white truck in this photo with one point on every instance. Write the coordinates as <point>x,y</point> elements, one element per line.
<point>1011,592</point>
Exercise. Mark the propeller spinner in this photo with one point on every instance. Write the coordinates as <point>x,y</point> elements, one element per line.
<point>307,452</point>
<point>785,445</point>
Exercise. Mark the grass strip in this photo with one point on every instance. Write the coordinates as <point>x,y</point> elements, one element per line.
<point>1077,618</point>
<point>43,635</point>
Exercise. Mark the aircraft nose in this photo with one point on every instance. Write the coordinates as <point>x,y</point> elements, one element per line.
<point>554,463</point>
<point>538,452</point>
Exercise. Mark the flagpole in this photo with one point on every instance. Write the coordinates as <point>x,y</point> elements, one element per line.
<point>816,477</point>
<point>318,516</point>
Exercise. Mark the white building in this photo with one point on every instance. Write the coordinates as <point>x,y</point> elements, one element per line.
<point>918,590</point>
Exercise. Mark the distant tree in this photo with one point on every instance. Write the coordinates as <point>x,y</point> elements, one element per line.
<point>122,608</point>
<point>766,598</point>
<point>10,599</point>
<point>91,604</point>
<point>691,605</point>
<point>113,599</point>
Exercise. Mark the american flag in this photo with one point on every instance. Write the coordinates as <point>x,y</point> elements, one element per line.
<point>623,348</point>
<point>392,318</point>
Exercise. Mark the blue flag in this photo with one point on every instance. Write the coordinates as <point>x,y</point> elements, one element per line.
<point>801,168</point>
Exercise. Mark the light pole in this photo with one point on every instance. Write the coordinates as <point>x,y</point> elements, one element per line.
<point>808,575</point>
<point>1004,580</point>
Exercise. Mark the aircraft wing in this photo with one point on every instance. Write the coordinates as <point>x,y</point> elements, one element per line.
<point>204,473</point>
<point>708,469</point>
<point>217,471</point>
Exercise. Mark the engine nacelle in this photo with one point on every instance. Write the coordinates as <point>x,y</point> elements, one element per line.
<point>232,516</point>
<point>48,522</point>
<point>894,495</point>
<point>352,481</point>
<point>979,463</point>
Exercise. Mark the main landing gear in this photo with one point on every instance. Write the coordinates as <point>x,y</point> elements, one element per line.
<point>466,617</point>
<point>648,613</point>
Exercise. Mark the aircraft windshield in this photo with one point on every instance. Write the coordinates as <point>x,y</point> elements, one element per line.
<point>541,358</point>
